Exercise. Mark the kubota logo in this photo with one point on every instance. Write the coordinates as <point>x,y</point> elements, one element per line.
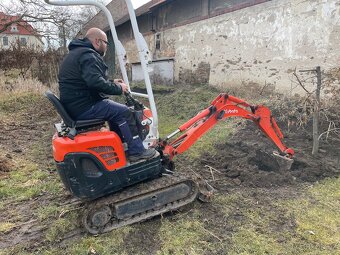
<point>231,111</point>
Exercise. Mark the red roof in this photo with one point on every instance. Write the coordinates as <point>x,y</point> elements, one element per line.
<point>23,28</point>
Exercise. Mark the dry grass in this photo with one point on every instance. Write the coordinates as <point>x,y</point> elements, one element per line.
<point>12,83</point>
<point>18,85</point>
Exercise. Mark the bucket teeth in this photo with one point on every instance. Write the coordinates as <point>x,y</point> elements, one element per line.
<point>274,161</point>
<point>284,162</point>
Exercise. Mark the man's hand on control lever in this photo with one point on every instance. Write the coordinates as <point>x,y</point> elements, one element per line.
<point>122,84</point>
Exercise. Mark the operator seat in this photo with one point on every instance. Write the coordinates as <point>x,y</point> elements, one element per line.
<point>73,126</point>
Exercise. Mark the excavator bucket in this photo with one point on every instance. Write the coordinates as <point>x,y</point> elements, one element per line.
<point>273,161</point>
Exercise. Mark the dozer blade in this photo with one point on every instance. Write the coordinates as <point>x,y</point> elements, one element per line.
<point>274,161</point>
<point>138,203</point>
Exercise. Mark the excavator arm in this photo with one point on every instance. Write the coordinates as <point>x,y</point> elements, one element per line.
<point>222,107</point>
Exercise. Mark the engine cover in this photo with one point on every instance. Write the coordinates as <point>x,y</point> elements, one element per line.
<point>106,146</point>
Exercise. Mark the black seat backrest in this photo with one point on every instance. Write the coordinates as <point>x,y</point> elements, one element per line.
<point>68,121</point>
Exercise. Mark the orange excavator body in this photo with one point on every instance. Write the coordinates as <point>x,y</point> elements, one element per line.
<point>104,145</point>
<point>92,164</point>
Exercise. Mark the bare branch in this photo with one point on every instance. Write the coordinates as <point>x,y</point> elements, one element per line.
<point>300,83</point>
<point>48,20</point>
<point>327,132</point>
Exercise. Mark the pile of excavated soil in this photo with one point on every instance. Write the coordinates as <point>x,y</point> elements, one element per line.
<point>240,161</point>
<point>5,165</point>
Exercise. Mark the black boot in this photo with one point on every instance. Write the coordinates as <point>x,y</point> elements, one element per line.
<point>146,154</point>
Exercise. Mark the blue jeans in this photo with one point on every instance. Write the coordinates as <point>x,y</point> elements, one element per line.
<point>116,115</point>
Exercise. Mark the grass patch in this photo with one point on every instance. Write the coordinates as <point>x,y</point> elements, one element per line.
<point>185,103</point>
<point>2,204</point>
<point>261,231</point>
<point>27,181</point>
<point>249,241</point>
<point>302,225</point>
<point>17,250</point>
<point>48,211</point>
<point>61,226</point>
<point>318,216</point>
<point>318,224</point>
<point>41,152</point>
<point>6,227</point>
<point>19,185</point>
<point>180,105</point>
<point>308,224</point>
<point>111,243</point>
<point>227,203</point>
<point>252,225</point>
<point>17,101</point>
<point>184,236</point>
<point>12,83</point>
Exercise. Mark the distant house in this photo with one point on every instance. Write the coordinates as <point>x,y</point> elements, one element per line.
<point>18,33</point>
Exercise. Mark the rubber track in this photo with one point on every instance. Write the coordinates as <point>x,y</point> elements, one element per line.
<point>133,192</point>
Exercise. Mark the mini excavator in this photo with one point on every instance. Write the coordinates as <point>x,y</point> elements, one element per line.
<point>93,166</point>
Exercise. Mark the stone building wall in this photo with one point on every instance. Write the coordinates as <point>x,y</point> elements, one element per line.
<point>263,43</point>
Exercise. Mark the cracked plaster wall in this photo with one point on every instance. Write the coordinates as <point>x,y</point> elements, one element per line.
<point>262,44</point>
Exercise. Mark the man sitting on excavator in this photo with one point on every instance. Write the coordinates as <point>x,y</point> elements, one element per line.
<point>83,84</point>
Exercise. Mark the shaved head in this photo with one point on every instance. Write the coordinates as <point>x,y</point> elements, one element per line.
<point>98,39</point>
<point>95,33</point>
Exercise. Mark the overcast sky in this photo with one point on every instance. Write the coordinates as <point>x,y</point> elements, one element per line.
<point>135,3</point>
<point>138,3</point>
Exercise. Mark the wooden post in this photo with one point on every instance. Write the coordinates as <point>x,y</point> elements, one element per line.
<point>316,113</point>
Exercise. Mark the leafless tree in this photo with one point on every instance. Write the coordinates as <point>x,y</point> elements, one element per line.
<point>52,22</point>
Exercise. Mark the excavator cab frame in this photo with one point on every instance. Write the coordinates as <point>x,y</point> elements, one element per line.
<point>143,52</point>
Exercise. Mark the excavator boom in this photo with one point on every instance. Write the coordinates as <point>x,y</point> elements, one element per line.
<point>222,107</point>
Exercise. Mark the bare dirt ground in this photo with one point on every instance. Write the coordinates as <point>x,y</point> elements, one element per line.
<point>233,168</point>
<point>241,164</point>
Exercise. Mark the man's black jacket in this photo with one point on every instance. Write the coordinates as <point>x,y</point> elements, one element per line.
<point>83,78</point>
